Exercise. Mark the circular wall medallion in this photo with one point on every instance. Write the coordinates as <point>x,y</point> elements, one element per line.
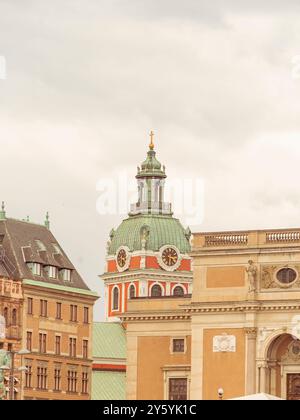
<point>287,276</point>
<point>123,258</point>
<point>169,258</point>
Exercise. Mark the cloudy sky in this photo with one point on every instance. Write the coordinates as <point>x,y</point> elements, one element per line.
<point>219,83</point>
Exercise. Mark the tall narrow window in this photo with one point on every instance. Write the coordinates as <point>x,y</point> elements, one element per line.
<point>72,347</point>
<point>85,383</point>
<point>42,343</point>
<point>115,299</point>
<point>156,291</point>
<point>29,340</point>
<point>132,292</point>
<point>43,308</point>
<point>57,378</point>
<point>42,377</point>
<point>29,306</point>
<point>58,310</point>
<point>72,381</point>
<point>85,349</point>
<point>73,313</point>
<point>57,345</point>
<point>86,315</point>
<point>5,314</point>
<point>14,317</point>
<point>28,375</point>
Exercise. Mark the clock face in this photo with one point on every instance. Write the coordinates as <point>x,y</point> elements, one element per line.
<point>122,258</point>
<point>170,257</point>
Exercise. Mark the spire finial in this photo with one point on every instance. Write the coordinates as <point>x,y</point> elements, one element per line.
<point>151,145</point>
<point>2,212</point>
<point>47,221</point>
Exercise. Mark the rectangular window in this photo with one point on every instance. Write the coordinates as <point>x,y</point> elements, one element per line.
<point>28,376</point>
<point>86,315</point>
<point>57,345</point>
<point>85,383</point>
<point>72,381</point>
<point>42,377</point>
<point>66,275</point>
<point>58,310</point>
<point>42,343</point>
<point>178,345</point>
<point>43,308</point>
<point>36,269</point>
<point>29,306</point>
<point>52,272</point>
<point>29,340</point>
<point>73,313</point>
<point>178,389</point>
<point>85,349</point>
<point>57,379</point>
<point>72,347</point>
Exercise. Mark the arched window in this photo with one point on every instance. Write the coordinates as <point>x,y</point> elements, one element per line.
<point>132,291</point>
<point>156,291</point>
<point>14,317</point>
<point>115,299</point>
<point>5,314</point>
<point>178,291</point>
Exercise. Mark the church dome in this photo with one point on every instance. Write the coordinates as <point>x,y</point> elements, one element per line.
<point>161,230</point>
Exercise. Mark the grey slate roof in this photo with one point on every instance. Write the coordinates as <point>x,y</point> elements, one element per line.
<point>22,243</point>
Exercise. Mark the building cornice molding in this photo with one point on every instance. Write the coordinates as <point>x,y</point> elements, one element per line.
<point>261,306</point>
<point>57,289</point>
<point>204,252</point>
<point>133,317</point>
<point>147,274</point>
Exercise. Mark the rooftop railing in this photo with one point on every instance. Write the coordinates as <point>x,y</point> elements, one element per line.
<point>247,239</point>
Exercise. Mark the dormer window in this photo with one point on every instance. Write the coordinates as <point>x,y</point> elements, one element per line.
<point>52,272</point>
<point>66,275</point>
<point>57,249</point>
<point>35,268</point>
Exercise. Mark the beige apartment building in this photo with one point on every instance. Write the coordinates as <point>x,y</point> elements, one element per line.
<point>48,310</point>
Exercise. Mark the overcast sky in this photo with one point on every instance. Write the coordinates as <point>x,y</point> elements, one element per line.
<point>87,80</point>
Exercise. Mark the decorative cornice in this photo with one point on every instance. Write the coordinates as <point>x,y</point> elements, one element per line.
<point>151,318</point>
<point>146,274</point>
<point>203,252</point>
<point>262,306</point>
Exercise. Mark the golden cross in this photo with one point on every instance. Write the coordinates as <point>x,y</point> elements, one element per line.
<point>152,143</point>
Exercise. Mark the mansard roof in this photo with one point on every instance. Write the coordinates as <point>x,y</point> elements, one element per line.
<point>23,243</point>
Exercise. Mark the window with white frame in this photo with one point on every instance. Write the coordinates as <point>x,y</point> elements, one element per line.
<point>52,272</point>
<point>131,292</point>
<point>115,299</point>
<point>156,290</point>
<point>36,269</point>
<point>66,275</point>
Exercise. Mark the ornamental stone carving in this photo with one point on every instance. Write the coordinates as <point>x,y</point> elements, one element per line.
<point>251,332</point>
<point>264,333</point>
<point>224,343</point>
<point>251,270</point>
<point>269,280</point>
<point>293,352</point>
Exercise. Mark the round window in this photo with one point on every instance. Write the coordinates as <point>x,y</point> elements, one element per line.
<point>286,275</point>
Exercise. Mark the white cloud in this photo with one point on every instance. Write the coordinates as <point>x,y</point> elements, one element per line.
<point>86,81</point>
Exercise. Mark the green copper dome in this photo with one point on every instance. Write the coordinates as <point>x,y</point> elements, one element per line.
<point>151,167</point>
<point>160,231</point>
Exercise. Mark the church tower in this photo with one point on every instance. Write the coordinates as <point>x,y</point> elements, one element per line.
<point>148,254</point>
